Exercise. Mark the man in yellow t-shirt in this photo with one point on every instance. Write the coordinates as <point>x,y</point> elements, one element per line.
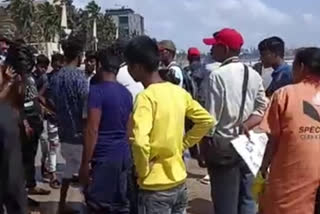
<point>157,138</point>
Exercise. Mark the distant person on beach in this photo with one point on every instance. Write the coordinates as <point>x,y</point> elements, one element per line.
<point>90,64</point>
<point>173,73</point>
<point>236,97</point>
<point>157,133</point>
<point>123,76</point>
<point>272,55</point>
<point>69,88</point>
<point>106,160</point>
<point>13,196</point>
<point>292,122</point>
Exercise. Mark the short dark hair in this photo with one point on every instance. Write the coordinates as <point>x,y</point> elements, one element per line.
<point>109,59</point>
<point>143,50</point>
<point>310,57</point>
<point>43,60</point>
<point>21,58</point>
<point>72,47</point>
<point>57,58</point>
<point>274,44</point>
<point>20,41</point>
<point>91,55</point>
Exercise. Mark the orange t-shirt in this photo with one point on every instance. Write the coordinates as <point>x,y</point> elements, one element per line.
<point>293,120</point>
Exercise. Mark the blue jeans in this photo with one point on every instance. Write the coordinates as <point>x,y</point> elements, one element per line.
<point>231,190</point>
<point>173,201</point>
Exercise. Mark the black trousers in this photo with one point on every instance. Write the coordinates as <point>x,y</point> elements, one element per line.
<point>29,152</point>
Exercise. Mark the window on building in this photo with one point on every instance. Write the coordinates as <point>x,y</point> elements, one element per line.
<point>123,20</point>
<point>124,33</point>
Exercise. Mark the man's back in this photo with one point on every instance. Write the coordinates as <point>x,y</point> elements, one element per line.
<point>225,96</point>
<point>69,89</point>
<point>158,134</point>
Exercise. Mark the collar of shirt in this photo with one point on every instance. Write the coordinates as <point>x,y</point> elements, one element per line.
<point>172,64</point>
<point>279,69</point>
<point>90,75</point>
<point>230,60</point>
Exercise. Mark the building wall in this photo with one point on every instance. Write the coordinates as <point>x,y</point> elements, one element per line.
<point>136,24</point>
<point>128,24</point>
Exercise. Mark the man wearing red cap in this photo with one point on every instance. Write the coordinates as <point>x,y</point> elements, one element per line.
<point>236,97</point>
<point>194,68</point>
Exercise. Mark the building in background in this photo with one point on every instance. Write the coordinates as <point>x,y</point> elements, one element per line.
<point>128,22</point>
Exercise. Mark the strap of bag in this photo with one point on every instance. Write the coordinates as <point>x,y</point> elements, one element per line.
<point>244,92</point>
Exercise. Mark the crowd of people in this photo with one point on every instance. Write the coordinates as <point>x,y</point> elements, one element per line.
<point>125,123</point>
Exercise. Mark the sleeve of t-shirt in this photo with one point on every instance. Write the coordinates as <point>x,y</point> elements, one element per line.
<point>45,80</point>
<point>202,120</point>
<point>215,98</point>
<point>261,101</point>
<point>178,75</point>
<point>83,86</point>
<point>95,99</point>
<point>142,120</point>
<point>271,122</point>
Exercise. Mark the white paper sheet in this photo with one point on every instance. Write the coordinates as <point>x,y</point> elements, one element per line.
<point>251,151</point>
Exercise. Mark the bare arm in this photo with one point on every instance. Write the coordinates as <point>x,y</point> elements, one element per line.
<point>260,106</point>
<point>202,120</point>
<point>92,125</point>
<point>142,121</point>
<point>268,156</point>
<point>252,121</point>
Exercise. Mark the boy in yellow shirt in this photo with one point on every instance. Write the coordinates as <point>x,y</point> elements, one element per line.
<point>158,139</point>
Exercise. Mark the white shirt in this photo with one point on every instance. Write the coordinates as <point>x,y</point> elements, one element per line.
<point>177,72</point>
<point>224,95</point>
<point>125,79</point>
<point>213,66</point>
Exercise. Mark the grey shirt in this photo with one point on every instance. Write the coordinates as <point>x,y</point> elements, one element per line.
<point>223,97</point>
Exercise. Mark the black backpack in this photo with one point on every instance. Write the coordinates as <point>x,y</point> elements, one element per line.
<point>188,83</point>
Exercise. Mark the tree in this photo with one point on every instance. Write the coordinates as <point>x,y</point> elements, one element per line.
<point>7,25</point>
<point>40,22</point>
<point>106,30</point>
<point>22,12</point>
<point>49,19</point>
<point>93,9</point>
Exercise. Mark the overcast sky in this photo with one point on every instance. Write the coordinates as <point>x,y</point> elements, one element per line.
<point>187,22</point>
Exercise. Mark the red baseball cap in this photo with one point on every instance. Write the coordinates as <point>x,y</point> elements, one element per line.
<point>193,52</point>
<point>228,37</point>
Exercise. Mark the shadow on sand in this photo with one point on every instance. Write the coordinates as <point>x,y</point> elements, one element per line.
<point>200,206</point>
<point>52,208</point>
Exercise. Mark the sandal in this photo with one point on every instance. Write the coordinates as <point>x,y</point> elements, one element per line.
<point>45,173</point>
<point>67,210</point>
<point>55,183</point>
<point>32,203</point>
<point>75,178</point>
<point>205,180</point>
<point>38,191</point>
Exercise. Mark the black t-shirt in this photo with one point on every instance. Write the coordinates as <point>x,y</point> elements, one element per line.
<point>41,80</point>
<point>32,108</point>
